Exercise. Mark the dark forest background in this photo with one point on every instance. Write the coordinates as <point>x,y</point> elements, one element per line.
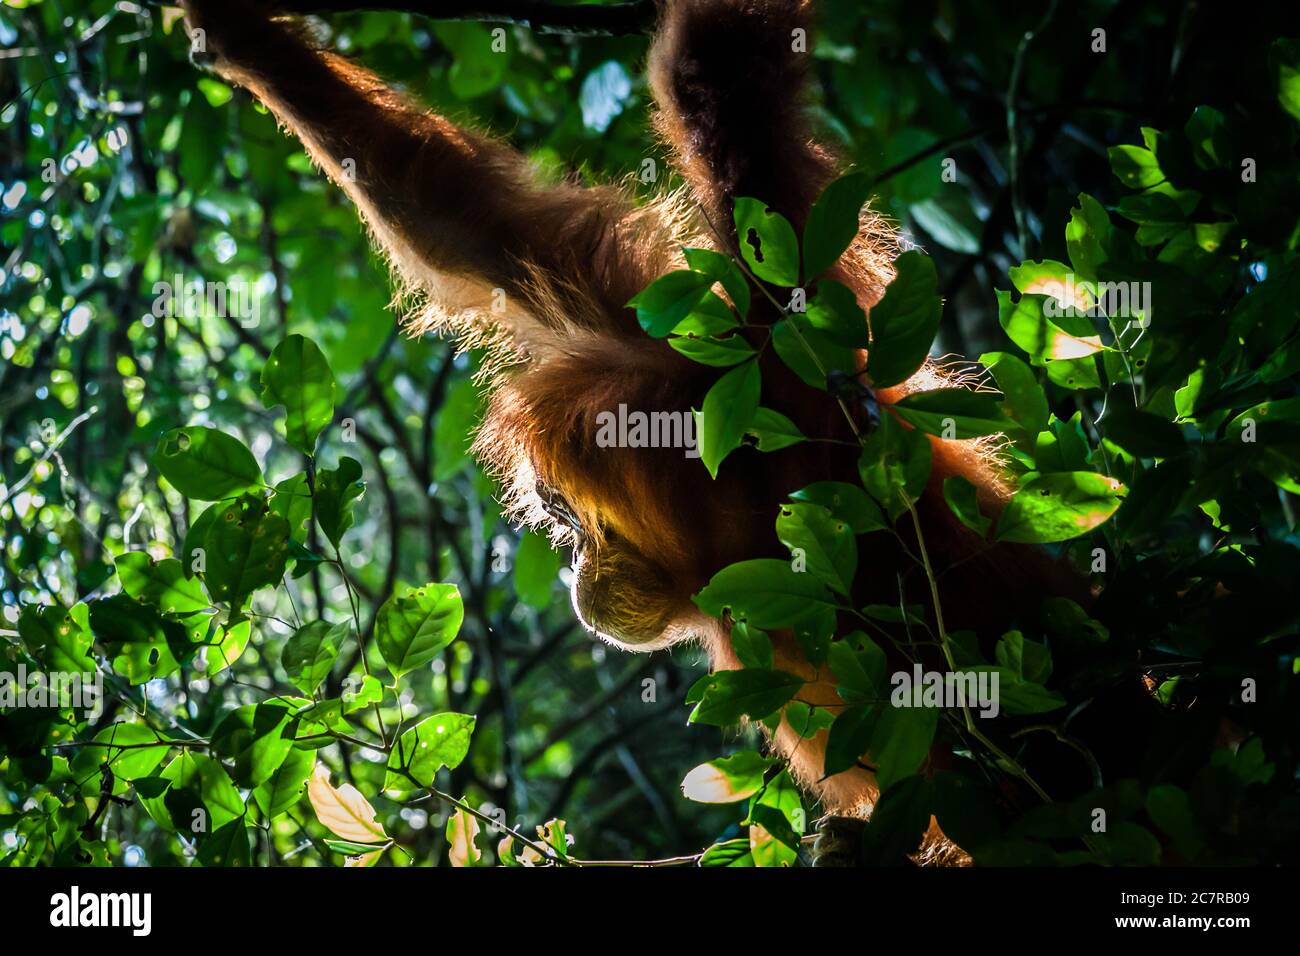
<point>162,169</point>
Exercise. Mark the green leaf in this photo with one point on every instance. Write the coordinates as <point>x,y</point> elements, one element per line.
<point>1142,434</point>
<point>953,413</point>
<point>806,720</point>
<point>752,646</point>
<point>860,666</point>
<point>728,853</point>
<point>57,637</point>
<point>898,822</point>
<point>337,491</point>
<point>729,408</point>
<point>772,431</point>
<point>810,353</point>
<point>229,645</point>
<point>1016,696</point>
<point>258,738</point>
<point>537,568</point>
<point>950,219</point>
<point>126,751</point>
<point>1063,447</point>
<point>727,779</point>
<point>310,653</point>
<point>1024,400</point>
<point>731,695</point>
<point>826,542</point>
<point>1284,63</point>
<point>1059,506</point>
<point>297,376</point>
<point>895,465</point>
<point>435,742</point>
<point>141,639</point>
<point>904,322</point>
<point>1088,236</point>
<point>415,624</point>
<point>201,143</point>
<point>1170,808</point>
<point>848,503</point>
<point>205,464</point>
<point>833,222</point>
<point>778,810</point>
<point>286,785</point>
<point>962,498</point>
<point>767,242</point>
<point>196,537</point>
<point>668,300</point>
<point>850,737</point>
<point>352,849</point>
<point>197,783</point>
<point>1026,323</point>
<point>722,269</point>
<point>901,741</point>
<point>1157,495</point>
<point>1207,131</point>
<point>765,592</point>
<point>370,692</point>
<point>1049,277</point>
<point>720,353</point>
<point>292,502</point>
<point>711,316</point>
<point>247,548</point>
<point>227,847</point>
<point>834,311</point>
<point>477,68</point>
<point>160,583</point>
<point>1028,660</point>
<point>966,810</point>
<point>1135,167</point>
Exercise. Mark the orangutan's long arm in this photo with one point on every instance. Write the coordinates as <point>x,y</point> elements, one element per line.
<point>458,212</point>
<point>729,80</point>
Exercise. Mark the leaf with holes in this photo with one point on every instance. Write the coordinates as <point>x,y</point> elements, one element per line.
<point>1059,506</point>
<point>205,464</point>
<point>767,242</point>
<point>772,431</point>
<point>825,542</point>
<point>765,592</point>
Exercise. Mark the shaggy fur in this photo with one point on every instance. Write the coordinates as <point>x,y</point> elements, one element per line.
<point>466,224</point>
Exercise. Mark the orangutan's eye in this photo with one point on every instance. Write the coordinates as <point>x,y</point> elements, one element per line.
<point>555,505</point>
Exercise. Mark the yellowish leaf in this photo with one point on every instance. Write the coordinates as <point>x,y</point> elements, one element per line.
<point>462,828</point>
<point>710,783</point>
<point>343,810</point>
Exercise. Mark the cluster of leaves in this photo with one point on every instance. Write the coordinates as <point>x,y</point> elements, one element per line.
<point>193,613</point>
<point>134,169</point>
<point>1169,480</point>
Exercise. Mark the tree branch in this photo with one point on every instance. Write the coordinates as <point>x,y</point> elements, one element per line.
<point>588,19</point>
